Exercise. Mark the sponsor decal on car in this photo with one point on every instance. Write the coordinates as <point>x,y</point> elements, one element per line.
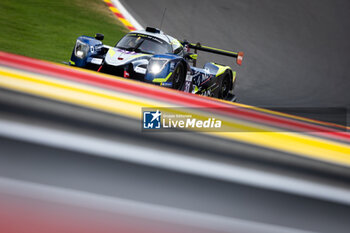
<point>97,61</point>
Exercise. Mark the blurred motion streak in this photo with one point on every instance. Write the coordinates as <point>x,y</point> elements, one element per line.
<point>42,208</point>
<point>126,98</point>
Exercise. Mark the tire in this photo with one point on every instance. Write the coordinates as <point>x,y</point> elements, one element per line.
<point>178,76</point>
<point>225,86</point>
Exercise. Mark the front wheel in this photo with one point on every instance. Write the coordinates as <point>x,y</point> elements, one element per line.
<point>178,76</point>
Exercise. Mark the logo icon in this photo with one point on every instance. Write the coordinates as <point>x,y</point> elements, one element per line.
<point>151,120</point>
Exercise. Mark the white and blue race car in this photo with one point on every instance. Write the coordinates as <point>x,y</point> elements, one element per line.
<point>154,57</point>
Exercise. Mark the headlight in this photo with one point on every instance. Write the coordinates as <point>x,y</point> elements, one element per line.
<point>156,65</point>
<point>81,49</point>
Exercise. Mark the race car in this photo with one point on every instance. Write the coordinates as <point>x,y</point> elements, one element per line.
<point>154,57</point>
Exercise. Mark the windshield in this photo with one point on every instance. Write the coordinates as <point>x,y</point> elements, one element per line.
<point>144,44</point>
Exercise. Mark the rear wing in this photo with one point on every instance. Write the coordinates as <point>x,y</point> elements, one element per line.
<point>198,46</point>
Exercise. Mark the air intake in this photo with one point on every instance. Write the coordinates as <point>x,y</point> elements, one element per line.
<point>153,30</point>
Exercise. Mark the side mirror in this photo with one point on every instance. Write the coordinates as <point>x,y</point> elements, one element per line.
<point>191,56</point>
<point>99,36</point>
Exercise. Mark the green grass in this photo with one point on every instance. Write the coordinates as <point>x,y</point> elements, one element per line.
<point>48,29</point>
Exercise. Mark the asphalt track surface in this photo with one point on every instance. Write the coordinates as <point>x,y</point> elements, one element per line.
<point>296,52</point>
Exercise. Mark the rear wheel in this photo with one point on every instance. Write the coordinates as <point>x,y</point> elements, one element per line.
<point>178,76</point>
<point>225,86</point>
